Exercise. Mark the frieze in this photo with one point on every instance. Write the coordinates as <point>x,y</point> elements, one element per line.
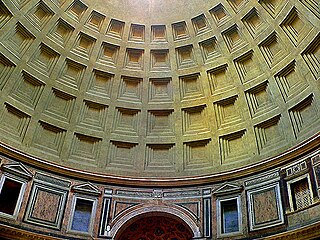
<point>139,194</point>
<point>158,194</point>
<point>52,180</point>
<point>262,179</point>
<point>191,193</point>
<point>296,169</point>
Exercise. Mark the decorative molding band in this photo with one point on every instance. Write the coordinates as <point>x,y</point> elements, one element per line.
<point>271,177</point>
<point>309,232</point>
<point>296,169</point>
<point>182,194</point>
<point>295,152</point>
<point>15,233</point>
<point>50,180</point>
<point>133,194</point>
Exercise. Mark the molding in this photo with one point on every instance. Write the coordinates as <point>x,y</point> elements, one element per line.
<point>296,169</point>
<point>126,193</point>
<point>87,188</point>
<point>9,232</point>
<point>157,194</point>
<point>17,169</point>
<point>52,181</point>
<point>264,165</point>
<point>261,180</point>
<point>183,194</point>
<point>151,210</point>
<point>311,231</point>
<point>227,189</point>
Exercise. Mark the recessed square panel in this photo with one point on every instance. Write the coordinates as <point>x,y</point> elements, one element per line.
<point>265,207</point>
<point>46,206</point>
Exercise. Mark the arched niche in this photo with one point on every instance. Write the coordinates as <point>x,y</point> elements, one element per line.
<point>152,213</point>
<point>155,226</point>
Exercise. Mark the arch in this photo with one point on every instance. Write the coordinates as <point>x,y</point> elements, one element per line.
<point>125,220</point>
<point>155,226</point>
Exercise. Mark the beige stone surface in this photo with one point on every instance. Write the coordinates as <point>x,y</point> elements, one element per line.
<point>158,88</point>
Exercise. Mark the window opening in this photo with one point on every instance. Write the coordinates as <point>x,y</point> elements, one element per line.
<point>230,217</point>
<point>9,196</point>
<point>82,215</point>
<point>301,194</point>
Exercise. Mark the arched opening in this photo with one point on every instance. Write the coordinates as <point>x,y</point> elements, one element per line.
<point>155,226</point>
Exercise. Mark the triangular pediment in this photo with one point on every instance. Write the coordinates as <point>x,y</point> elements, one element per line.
<point>227,188</point>
<point>17,169</point>
<point>87,188</point>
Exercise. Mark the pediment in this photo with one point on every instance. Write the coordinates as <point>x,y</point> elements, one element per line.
<point>17,169</point>
<point>227,188</point>
<point>87,188</point>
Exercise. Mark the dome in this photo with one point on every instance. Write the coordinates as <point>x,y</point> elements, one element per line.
<point>159,93</point>
<point>137,89</point>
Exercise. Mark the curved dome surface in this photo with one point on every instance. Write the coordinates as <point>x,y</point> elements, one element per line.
<point>158,89</point>
<point>152,11</point>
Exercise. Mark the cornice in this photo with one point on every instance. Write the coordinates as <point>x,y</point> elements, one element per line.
<point>9,232</point>
<point>311,231</point>
<point>264,165</point>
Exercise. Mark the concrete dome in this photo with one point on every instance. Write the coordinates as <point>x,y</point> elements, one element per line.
<point>155,106</point>
<point>158,89</point>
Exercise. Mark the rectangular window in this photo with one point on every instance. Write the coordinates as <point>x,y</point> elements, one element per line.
<point>301,194</point>
<point>230,218</point>
<point>10,192</point>
<point>82,215</point>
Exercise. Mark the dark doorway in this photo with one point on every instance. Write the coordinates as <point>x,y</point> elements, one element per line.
<point>156,228</point>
